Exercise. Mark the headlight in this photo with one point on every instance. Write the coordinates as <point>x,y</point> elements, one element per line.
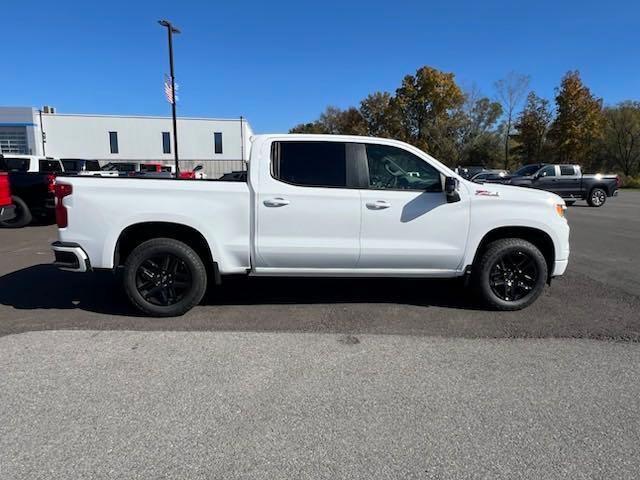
<point>560,209</point>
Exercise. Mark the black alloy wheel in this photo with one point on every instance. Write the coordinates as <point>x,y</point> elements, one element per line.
<point>163,279</point>
<point>510,274</point>
<point>513,276</point>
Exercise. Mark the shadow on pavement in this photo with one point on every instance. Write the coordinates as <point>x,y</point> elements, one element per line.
<point>46,287</point>
<point>43,298</point>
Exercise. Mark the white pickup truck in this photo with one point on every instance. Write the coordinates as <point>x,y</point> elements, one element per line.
<point>313,205</point>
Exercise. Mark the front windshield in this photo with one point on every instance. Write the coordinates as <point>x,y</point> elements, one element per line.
<point>527,170</point>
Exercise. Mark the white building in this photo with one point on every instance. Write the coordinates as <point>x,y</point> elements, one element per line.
<point>218,144</point>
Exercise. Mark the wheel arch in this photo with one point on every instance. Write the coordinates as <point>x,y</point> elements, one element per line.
<point>602,186</point>
<point>135,234</point>
<point>541,239</point>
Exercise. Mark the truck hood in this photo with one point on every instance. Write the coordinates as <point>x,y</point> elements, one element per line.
<point>510,192</point>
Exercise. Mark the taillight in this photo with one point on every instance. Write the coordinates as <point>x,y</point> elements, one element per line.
<point>618,181</point>
<point>62,190</point>
<point>51,183</point>
<point>5,191</point>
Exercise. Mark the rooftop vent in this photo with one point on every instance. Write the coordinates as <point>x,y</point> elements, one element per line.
<point>48,109</point>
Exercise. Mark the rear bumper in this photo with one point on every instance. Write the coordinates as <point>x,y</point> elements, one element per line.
<point>7,212</point>
<point>70,257</point>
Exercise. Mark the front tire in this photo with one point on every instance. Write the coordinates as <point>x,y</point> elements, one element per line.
<point>23,215</point>
<point>164,277</point>
<point>511,274</point>
<point>597,197</point>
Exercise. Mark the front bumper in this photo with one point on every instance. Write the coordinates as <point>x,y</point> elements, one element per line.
<point>8,212</point>
<point>70,257</point>
<point>559,267</point>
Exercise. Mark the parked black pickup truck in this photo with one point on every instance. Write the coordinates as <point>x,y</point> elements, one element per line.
<point>568,181</point>
<point>32,192</point>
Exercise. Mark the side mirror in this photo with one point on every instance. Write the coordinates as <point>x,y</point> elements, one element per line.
<point>451,189</point>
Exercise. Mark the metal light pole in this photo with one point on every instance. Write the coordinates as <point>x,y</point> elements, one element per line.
<point>42,135</point>
<point>170,31</point>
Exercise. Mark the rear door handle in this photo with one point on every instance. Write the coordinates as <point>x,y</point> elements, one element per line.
<point>378,205</point>
<point>276,202</point>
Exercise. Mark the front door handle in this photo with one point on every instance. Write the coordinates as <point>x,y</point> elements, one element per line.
<point>378,205</point>
<point>276,202</point>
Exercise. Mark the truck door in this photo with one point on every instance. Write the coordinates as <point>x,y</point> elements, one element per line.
<point>308,216</point>
<point>406,220</point>
<point>568,183</point>
<point>546,179</point>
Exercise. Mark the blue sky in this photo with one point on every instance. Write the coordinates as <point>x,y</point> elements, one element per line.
<point>280,63</point>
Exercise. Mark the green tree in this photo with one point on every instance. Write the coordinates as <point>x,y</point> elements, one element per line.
<point>531,127</point>
<point>579,122</point>
<point>427,103</point>
<point>335,121</point>
<point>622,136</point>
<point>311,127</point>
<point>380,115</point>
<point>477,137</point>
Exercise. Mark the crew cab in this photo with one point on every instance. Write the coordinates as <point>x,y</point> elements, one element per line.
<point>32,181</point>
<point>7,208</point>
<point>567,181</point>
<point>313,205</point>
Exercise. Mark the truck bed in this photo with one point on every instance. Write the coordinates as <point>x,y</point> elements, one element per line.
<point>100,208</point>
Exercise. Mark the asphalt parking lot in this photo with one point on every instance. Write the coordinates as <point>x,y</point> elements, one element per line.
<point>325,378</point>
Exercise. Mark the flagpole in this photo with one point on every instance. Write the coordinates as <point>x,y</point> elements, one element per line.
<point>170,31</point>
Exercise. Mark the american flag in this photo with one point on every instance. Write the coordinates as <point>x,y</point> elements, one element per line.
<point>168,91</point>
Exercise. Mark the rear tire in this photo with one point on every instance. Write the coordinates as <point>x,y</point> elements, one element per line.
<point>164,277</point>
<point>597,197</point>
<point>510,274</point>
<point>23,215</point>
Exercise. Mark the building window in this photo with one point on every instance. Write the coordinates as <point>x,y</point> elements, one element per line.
<point>217,142</point>
<point>113,142</point>
<point>166,142</point>
<point>14,140</point>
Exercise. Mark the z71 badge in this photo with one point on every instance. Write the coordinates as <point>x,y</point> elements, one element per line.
<point>487,193</point>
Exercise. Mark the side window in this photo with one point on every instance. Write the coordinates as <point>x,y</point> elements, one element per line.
<point>310,164</point>
<point>567,170</point>
<point>49,166</point>
<point>548,171</point>
<point>395,169</point>
<point>17,164</point>
<point>92,166</point>
<point>70,165</point>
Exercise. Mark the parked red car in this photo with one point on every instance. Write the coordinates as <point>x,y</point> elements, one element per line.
<point>7,209</point>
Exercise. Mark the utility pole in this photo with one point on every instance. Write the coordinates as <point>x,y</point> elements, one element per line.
<point>170,31</point>
<point>42,135</point>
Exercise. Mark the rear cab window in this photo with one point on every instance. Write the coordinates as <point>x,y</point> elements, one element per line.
<point>49,166</point>
<point>567,170</point>
<point>16,164</point>
<point>310,164</point>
